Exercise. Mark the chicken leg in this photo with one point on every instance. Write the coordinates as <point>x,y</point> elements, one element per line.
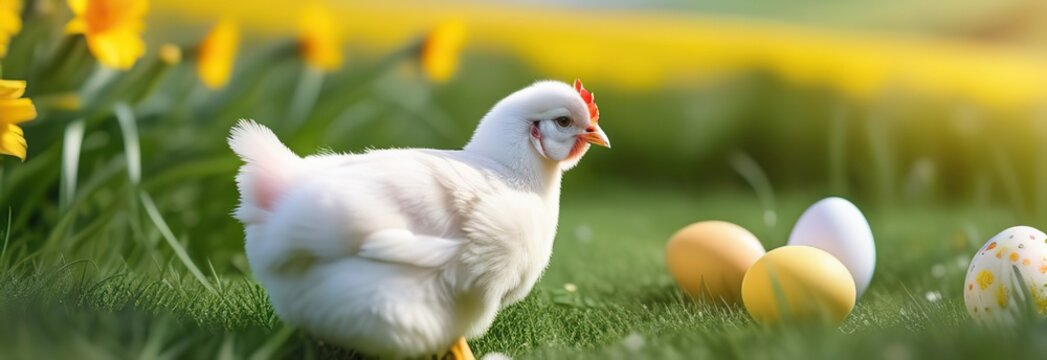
<point>460,351</point>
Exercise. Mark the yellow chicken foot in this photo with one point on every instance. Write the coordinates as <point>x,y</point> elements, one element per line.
<point>460,351</point>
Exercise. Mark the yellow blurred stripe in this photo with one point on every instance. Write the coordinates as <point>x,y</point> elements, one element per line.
<point>644,49</point>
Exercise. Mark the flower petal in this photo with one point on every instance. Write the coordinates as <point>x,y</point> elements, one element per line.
<point>11,89</point>
<point>113,29</point>
<point>14,111</point>
<point>118,49</point>
<point>217,53</point>
<point>319,39</point>
<point>10,23</point>
<point>76,26</point>
<point>12,141</point>
<point>440,51</point>
<point>78,6</point>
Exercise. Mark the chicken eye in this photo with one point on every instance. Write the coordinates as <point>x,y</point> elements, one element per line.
<point>563,121</point>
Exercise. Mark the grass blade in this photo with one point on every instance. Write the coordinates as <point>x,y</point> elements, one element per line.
<point>838,150</point>
<point>745,166</point>
<point>72,141</point>
<point>273,344</point>
<point>7,238</point>
<point>165,231</point>
<point>129,129</point>
<point>305,96</point>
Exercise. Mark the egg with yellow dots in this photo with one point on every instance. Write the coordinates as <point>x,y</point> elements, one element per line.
<point>798,284</point>
<point>992,290</point>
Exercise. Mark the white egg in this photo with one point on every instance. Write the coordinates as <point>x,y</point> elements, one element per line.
<point>991,290</point>
<point>838,227</point>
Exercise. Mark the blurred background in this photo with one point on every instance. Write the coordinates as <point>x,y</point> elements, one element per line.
<point>891,101</point>
<point>741,110</point>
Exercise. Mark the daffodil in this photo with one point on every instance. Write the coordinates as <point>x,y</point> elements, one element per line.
<point>14,110</point>
<point>113,29</point>
<point>319,40</point>
<point>10,22</point>
<point>216,54</point>
<point>170,54</point>
<point>440,51</point>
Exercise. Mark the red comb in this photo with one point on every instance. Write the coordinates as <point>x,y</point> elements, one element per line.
<point>588,97</point>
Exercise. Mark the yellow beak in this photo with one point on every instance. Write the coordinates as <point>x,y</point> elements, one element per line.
<point>595,135</point>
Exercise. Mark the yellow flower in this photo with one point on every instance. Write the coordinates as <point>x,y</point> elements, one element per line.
<point>667,49</point>
<point>10,22</point>
<point>170,54</point>
<point>439,55</point>
<point>318,39</point>
<point>113,29</point>
<point>14,110</point>
<point>216,54</point>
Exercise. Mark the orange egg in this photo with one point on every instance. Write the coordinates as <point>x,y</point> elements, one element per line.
<point>708,259</point>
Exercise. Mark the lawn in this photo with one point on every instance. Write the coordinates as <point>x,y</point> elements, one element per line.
<point>606,294</point>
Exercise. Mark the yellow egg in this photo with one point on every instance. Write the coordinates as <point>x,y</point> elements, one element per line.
<point>708,259</point>
<point>798,283</point>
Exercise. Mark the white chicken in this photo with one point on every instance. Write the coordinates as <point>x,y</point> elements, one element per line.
<point>404,253</point>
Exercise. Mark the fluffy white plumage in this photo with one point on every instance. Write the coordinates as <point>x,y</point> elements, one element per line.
<point>401,252</point>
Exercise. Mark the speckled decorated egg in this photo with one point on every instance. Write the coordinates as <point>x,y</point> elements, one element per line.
<point>992,292</point>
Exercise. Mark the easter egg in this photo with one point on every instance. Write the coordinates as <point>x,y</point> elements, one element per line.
<point>708,259</point>
<point>798,284</point>
<point>992,292</point>
<point>838,227</point>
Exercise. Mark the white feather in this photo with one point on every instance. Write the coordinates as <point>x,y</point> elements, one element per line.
<point>399,253</point>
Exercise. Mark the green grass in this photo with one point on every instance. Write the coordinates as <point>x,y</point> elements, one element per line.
<point>610,246</point>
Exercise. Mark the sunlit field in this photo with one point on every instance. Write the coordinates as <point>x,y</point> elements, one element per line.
<point>117,184</point>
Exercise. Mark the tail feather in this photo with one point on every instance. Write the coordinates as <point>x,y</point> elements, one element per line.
<point>270,167</point>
